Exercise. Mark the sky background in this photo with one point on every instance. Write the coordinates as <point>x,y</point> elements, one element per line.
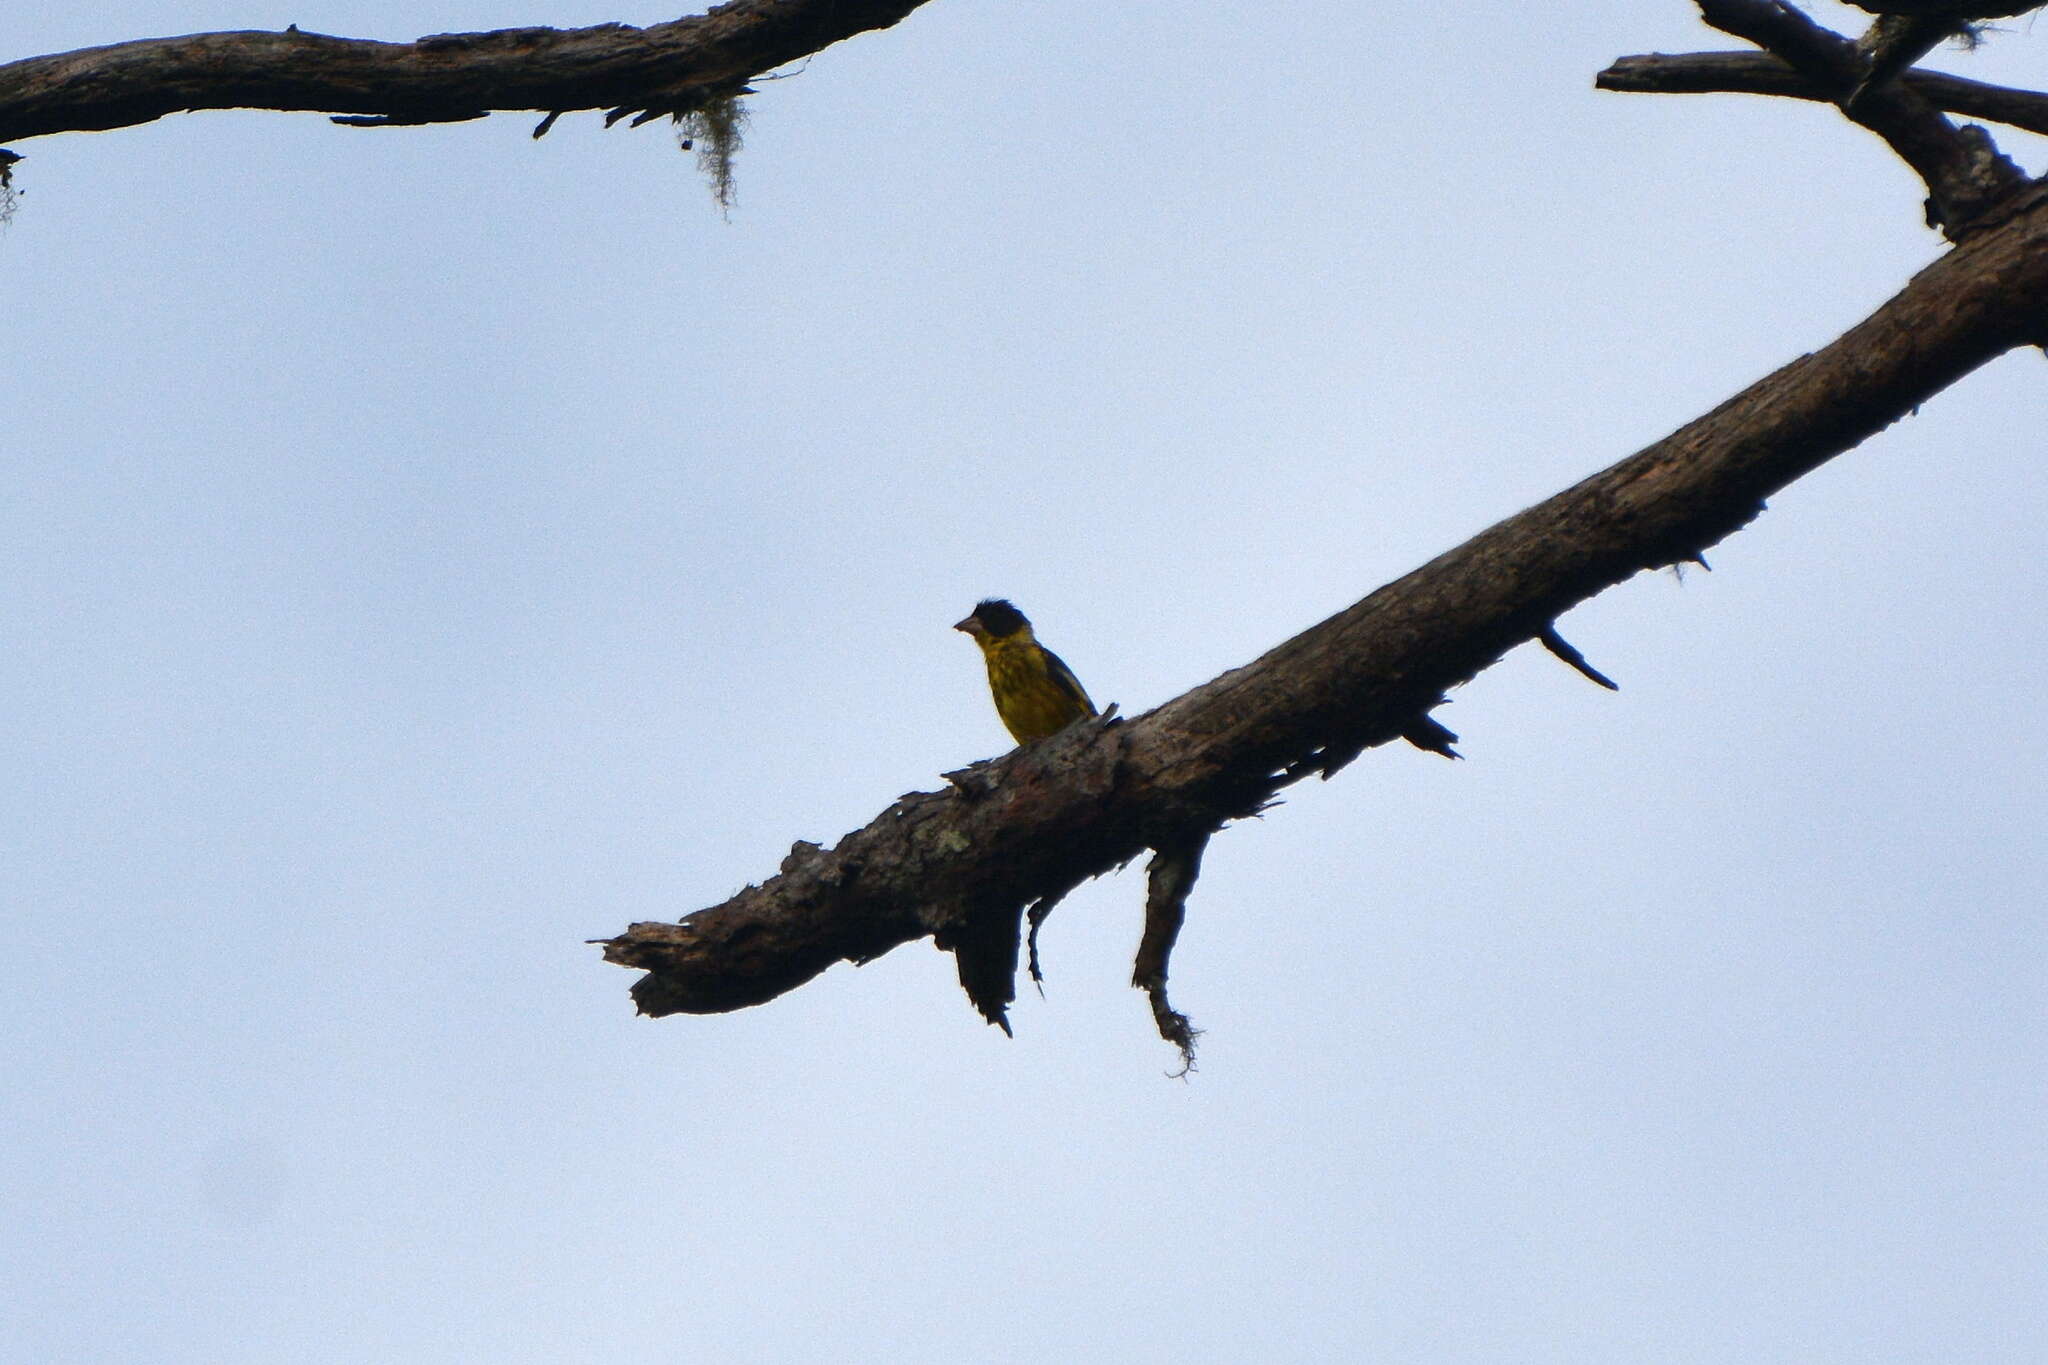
<point>423,551</point>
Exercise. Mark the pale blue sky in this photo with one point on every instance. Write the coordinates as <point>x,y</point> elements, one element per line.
<point>423,551</point>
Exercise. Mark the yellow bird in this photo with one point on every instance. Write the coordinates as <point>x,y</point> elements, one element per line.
<point>1036,694</point>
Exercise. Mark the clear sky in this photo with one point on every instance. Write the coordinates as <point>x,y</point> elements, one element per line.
<point>423,551</point>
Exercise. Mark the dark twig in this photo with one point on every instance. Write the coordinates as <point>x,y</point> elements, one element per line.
<point>1907,30</point>
<point>661,69</point>
<point>1169,880</point>
<point>1760,73</point>
<point>1950,9</point>
<point>1427,733</point>
<point>1967,179</point>
<point>1892,46</point>
<point>1564,650</point>
<point>1034,917</point>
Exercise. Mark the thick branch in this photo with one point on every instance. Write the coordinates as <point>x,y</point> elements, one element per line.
<point>665,68</point>
<point>1034,824</point>
<point>1759,73</point>
<point>1968,180</point>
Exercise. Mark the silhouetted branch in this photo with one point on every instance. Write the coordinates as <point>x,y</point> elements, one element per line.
<point>668,68</point>
<point>1030,826</point>
<point>1907,30</point>
<point>1168,882</point>
<point>1949,9</point>
<point>1968,180</point>
<point>1565,650</point>
<point>1759,73</point>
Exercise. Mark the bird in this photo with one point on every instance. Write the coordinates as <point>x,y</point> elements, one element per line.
<point>1035,694</point>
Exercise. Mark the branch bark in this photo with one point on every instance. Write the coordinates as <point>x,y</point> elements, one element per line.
<point>1169,880</point>
<point>1760,73</point>
<point>1907,30</point>
<point>1023,830</point>
<point>662,69</point>
<point>1949,9</point>
<point>1968,180</point>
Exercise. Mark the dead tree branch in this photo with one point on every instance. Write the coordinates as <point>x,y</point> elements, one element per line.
<point>1025,829</point>
<point>666,68</point>
<point>1968,180</point>
<point>1759,73</point>
<point>1567,651</point>
<point>1949,9</point>
<point>1169,881</point>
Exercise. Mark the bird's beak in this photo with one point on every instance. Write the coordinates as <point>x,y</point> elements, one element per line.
<point>972,625</point>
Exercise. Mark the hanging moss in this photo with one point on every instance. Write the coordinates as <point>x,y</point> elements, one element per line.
<point>715,130</point>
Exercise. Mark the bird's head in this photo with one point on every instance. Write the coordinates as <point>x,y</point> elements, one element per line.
<point>993,619</point>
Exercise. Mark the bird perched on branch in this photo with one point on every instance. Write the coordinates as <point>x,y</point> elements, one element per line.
<point>1036,695</point>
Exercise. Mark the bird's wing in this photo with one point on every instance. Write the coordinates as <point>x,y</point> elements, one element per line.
<point>1063,678</point>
